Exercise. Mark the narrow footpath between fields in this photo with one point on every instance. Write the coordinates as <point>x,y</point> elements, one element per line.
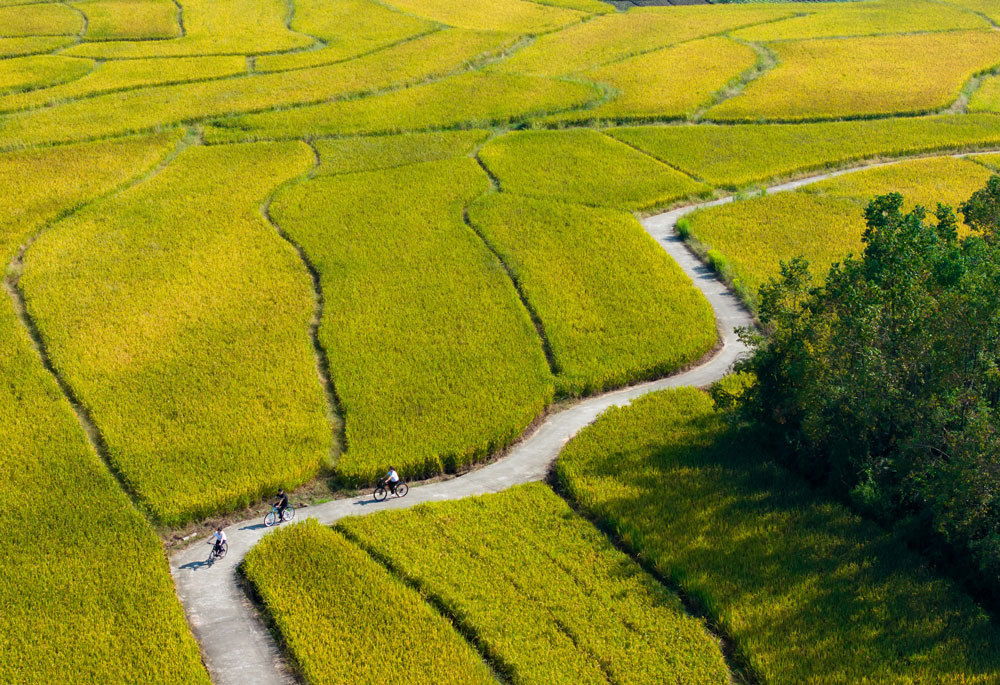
<point>236,645</point>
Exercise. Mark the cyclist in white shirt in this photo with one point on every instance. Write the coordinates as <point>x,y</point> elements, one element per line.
<point>391,478</point>
<point>219,538</point>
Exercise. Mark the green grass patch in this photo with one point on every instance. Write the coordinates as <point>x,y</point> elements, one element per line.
<point>875,76</point>
<point>584,167</point>
<point>371,153</point>
<point>180,318</point>
<point>614,307</point>
<point>987,97</point>
<point>344,617</point>
<point>421,320</point>
<point>744,154</point>
<point>807,591</point>
<point>543,591</point>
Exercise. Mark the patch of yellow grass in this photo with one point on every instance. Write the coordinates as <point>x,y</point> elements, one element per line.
<point>50,19</point>
<point>212,27</point>
<point>33,45</point>
<point>616,36</point>
<point>40,71</point>
<point>348,27</point>
<point>371,153</point>
<point>864,76</point>
<point>987,96</point>
<point>509,16</point>
<point>130,20</point>
<point>180,318</point>
<point>668,83</point>
<point>867,19</point>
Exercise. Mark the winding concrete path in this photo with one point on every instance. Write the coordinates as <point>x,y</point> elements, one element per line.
<point>236,646</point>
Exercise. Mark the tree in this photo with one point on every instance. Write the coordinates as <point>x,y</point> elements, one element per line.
<point>883,382</point>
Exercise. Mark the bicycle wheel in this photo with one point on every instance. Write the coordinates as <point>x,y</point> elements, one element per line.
<point>223,550</point>
<point>402,489</point>
<point>380,493</point>
<point>288,514</point>
<point>270,519</point>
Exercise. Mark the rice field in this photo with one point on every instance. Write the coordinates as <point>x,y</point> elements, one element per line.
<point>806,590</point>
<point>613,307</point>
<point>541,591</point>
<point>546,164</point>
<point>362,624</point>
<point>718,155</point>
<point>876,76</point>
<point>670,83</point>
<point>454,186</point>
<point>423,319</point>
<point>85,587</point>
<point>824,221</point>
<point>178,284</point>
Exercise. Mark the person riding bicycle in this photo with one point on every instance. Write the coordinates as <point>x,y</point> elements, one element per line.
<point>391,479</point>
<point>219,538</point>
<point>281,503</point>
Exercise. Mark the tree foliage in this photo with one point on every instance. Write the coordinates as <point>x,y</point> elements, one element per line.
<point>883,382</point>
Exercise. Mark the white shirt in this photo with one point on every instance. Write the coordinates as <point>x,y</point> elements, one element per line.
<point>220,536</point>
<point>393,476</point>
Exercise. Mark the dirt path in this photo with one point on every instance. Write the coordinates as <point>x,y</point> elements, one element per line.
<point>235,644</point>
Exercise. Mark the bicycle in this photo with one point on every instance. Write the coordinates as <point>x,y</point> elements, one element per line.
<point>272,516</point>
<point>383,491</point>
<point>218,553</point>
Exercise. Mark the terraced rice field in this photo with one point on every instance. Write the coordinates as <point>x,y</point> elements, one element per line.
<point>263,243</point>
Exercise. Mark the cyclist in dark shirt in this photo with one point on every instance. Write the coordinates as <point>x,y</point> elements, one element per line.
<point>281,503</point>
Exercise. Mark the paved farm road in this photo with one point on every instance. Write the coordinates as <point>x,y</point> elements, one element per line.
<point>236,646</point>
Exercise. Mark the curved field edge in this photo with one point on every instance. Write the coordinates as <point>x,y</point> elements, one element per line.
<point>792,579</point>
<point>78,553</point>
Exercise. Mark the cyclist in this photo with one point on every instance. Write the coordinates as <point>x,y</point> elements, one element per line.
<point>281,503</point>
<point>391,479</point>
<point>219,539</point>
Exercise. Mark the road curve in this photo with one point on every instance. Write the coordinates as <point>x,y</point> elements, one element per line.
<point>236,646</point>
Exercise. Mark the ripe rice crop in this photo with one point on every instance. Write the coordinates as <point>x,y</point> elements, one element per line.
<point>55,19</point>
<point>471,100</point>
<point>212,27</point>
<point>40,71</point>
<point>542,591</point>
<point>823,222</point>
<point>345,618</point>
<point>614,307</point>
<point>348,27</point>
<point>548,164</point>
<point>874,76</point>
<point>619,35</point>
<point>127,74</point>
<point>987,8</point>
<point>991,161</point>
<point>148,108</point>
<point>987,97</point>
<point>129,20</point>
<point>434,359</point>
<point>370,153</point>
<point>508,16</point>
<point>922,182</point>
<point>867,19</point>
<point>85,592</point>
<point>33,45</point>
<point>180,318</point>
<point>792,579</point>
<point>668,83</point>
<point>739,155</point>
